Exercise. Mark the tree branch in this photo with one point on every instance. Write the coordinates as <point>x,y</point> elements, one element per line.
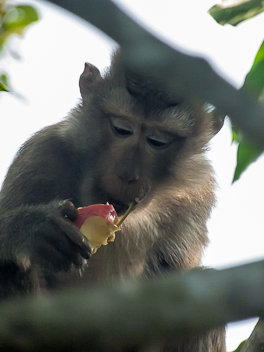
<point>133,313</point>
<point>255,343</point>
<point>174,71</point>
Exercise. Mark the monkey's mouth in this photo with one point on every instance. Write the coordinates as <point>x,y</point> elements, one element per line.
<point>102,196</point>
<point>120,203</point>
<point>120,207</point>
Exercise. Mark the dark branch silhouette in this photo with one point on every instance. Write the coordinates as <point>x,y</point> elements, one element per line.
<point>174,71</point>
<point>122,315</point>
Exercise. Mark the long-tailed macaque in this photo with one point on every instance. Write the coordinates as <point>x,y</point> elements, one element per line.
<point>125,140</point>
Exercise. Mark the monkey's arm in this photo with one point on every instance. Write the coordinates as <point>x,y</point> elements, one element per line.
<point>180,220</point>
<point>41,238</point>
<point>36,228</point>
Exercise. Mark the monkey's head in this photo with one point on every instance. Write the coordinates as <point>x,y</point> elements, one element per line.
<point>138,137</point>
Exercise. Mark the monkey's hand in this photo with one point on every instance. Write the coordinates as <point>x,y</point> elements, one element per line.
<point>43,236</point>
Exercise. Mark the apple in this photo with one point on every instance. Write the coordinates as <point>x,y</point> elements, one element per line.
<point>98,223</point>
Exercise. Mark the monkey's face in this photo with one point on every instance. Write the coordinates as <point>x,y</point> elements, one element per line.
<point>140,138</point>
<point>137,151</point>
<point>137,157</point>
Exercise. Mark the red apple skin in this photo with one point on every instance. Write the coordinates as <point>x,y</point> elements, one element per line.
<point>106,211</point>
<point>98,222</point>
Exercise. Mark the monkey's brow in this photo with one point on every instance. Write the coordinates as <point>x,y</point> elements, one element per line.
<point>118,103</point>
<point>118,108</point>
<point>175,123</point>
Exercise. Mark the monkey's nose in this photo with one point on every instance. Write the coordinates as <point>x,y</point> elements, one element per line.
<point>129,177</point>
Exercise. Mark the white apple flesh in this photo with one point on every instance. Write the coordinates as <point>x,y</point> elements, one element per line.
<point>98,223</point>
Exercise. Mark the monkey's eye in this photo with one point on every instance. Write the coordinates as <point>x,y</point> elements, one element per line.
<point>155,143</point>
<point>121,128</point>
<point>160,141</point>
<point>122,132</point>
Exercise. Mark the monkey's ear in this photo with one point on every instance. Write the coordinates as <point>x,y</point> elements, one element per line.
<point>90,75</point>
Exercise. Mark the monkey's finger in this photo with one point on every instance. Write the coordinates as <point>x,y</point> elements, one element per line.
<point>86,254</point>
<point>75,236</point>
<point>81,242</point>
<point>69,210</point>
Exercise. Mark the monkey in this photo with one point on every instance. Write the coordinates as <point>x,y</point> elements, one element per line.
<point>127,139</point>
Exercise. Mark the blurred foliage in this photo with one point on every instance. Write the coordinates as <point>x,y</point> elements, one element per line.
<point>14,19</point>
<point>248,151</point>
<point>4,83</point>
<point>254,80</point>
<point>235,14</point>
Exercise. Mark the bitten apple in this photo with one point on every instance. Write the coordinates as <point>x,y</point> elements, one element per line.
<point>98,223</point>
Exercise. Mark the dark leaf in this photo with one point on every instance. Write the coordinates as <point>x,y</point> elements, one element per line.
<point>236,14</point>
<point>260,56</point>
<point>254,82</point>
<point>247,153</point>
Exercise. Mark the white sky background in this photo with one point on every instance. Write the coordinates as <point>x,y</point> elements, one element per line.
<point>52,58</point>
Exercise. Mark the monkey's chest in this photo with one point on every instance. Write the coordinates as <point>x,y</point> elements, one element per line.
<point>111,263</point>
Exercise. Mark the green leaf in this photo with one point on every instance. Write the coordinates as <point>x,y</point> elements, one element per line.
<point>3,87</point>
<point>254,81</point>
<point>4,84</point>
<point>236,14</point>
<point>247,153</point>
<point>4,79</point>
<point>18,18</point>
<point>237,135</point>
<point>15,21</point>
<point>260,56</point>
